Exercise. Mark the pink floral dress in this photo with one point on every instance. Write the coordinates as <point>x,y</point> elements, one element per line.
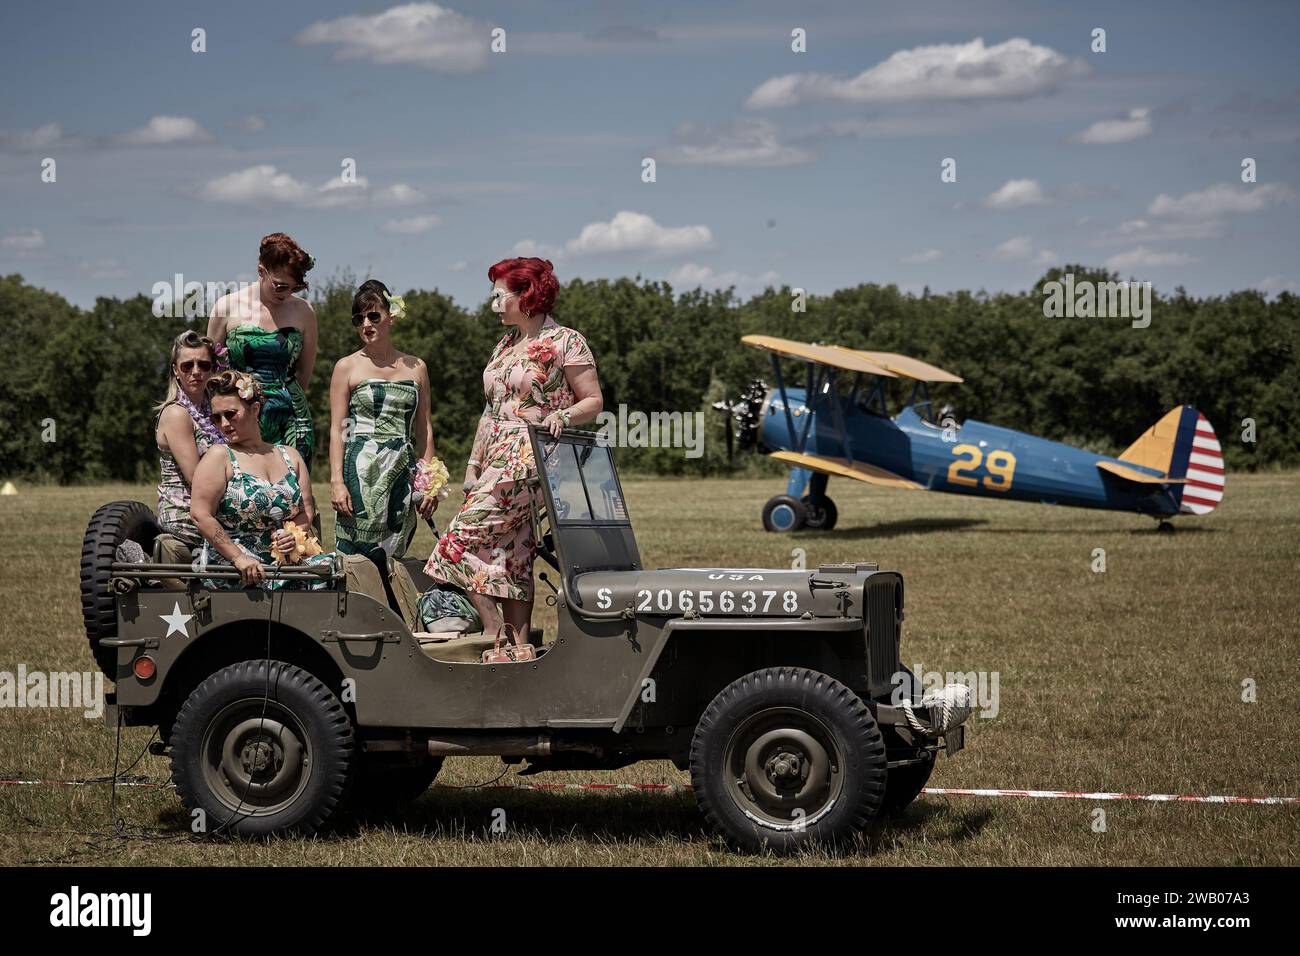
<point>489,547</point>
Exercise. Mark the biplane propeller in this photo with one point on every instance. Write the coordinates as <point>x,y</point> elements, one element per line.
<point>822,431</point>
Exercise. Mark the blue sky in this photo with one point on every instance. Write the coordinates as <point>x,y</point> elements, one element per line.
<point>818,169</point>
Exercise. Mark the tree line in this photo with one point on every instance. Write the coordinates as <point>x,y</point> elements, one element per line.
<point>78,386</point>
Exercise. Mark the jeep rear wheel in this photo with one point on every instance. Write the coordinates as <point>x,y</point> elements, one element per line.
<point>112,524</point>
<point>262,747</point>
<point>785,758</point>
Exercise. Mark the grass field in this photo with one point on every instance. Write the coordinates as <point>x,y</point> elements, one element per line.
<point>1127,680</point>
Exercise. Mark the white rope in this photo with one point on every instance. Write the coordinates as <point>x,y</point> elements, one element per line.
<point>948,708</point>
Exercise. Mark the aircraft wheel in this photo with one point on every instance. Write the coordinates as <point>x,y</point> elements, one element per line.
<point>1165,527</point>
<point>822,518</point>
<point>784,513</point>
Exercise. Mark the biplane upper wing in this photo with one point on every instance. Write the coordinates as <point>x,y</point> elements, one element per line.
<point>1132,474</point>
<point>857,470</point>
<point>847,359</point>
<point>904,365</point>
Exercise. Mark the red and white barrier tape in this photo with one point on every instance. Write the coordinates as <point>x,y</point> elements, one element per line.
<point>686,788</point>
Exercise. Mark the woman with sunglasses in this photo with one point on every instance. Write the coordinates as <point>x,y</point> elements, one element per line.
<point>380,432</point>
<point>246,490</point>
<point>271,333</point>
<point>541,373</point>
<point>184,433</point>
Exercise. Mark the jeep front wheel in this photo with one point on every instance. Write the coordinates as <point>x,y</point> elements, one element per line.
<point>788,757</point>
<point>262,747</point>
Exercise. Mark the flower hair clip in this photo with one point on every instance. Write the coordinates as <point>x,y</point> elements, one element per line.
<point>396,306</point>
<point>245,386</point>
<point>222,356</point>
<point>311,262</point>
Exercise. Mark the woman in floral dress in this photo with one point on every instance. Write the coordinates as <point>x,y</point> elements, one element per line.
<point>540,373</point>
<point>184,433</point>
<point>380,433</point>
<point>238,504</point>
<point>271,333</point>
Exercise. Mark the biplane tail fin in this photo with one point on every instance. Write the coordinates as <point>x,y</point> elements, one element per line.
<point>1183,445</point>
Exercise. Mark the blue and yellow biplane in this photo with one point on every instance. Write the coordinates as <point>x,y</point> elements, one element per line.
<point>824,430</point>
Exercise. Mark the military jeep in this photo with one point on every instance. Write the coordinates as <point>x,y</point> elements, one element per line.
<point>780,690</point>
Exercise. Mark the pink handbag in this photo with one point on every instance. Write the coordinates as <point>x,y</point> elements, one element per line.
<point>512,653</point>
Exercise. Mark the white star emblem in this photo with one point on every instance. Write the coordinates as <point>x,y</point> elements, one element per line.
<point>176,621</point>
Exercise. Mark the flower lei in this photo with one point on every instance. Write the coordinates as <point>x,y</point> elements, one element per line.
<point>396,306</point>
<point>202,420</point>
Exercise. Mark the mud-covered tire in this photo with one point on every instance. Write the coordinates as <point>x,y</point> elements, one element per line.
<point>262,747</point>
<point>112,524</point>
<point>381,787</point>
<point>785,758</point>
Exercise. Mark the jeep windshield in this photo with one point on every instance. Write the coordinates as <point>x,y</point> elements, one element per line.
<point>580,474</point>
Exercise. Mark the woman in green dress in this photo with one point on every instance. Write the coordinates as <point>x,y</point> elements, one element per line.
<point>271,333</point>
<point>381,436</point>
<point>245,491</point>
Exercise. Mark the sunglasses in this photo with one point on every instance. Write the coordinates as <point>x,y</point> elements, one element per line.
<point>286,286</point>
<point>189,366</point>
<point>359,317</point>
<point>499,296</point>
<point>226,416</point>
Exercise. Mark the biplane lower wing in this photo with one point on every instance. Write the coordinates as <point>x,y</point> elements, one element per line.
<point>1141,477</point>
<point>859,471</point>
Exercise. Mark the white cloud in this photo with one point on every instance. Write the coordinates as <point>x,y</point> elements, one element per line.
<point>947,71</point>
<point>637,232</point>
<point>692,275</point>
<point>103,269</point>
<point>1136,125</point>
<point>265,185</point>
<point>745,143</point>
<point>1141,257</point>
<point>1017,193</point>
<point>250,124</point>
<point>920,258</point>
<point>24,240</point>
<point>1141,230</point>
<point>49,136</point>
<point>1272,285</point>
<point>413,226</point>
<point>460,265</point>
<point>166,131</point>
<point>541,250</point>
<point>1221,199</point>
<point>1046,257</point>
<point>1018,247</point>
<point>399,194</point>
<point>415,34</point>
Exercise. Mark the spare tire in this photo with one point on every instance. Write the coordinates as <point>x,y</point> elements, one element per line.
<point>112,524</point>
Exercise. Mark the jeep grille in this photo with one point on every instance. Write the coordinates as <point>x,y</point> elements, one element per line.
<point>883,620</point>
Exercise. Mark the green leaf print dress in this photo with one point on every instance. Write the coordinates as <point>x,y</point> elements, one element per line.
<point>378,467</point>
<point>272,358</point>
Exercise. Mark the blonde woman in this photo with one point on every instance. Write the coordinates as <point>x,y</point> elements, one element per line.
<point>184,433</point>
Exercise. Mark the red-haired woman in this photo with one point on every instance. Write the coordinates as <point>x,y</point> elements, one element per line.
<point>540,373</point>
<point>271,333</point>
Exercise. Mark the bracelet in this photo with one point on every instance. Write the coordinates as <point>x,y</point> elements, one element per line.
<point>564,417</point>
<point>475,462</point>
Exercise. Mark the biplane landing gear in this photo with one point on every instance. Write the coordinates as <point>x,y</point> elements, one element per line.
<point>1165,527</point>
<point>784,513</point>
<point>820,518</point>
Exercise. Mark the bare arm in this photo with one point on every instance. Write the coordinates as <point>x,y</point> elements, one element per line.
<point>307,360</point>
<point>339,496</point>
<point>586,391</point>
<point>217,321</point>
<point>207,489</point>
<point>177,431</point>
<point>307,514</point>
<point>423,415</point>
